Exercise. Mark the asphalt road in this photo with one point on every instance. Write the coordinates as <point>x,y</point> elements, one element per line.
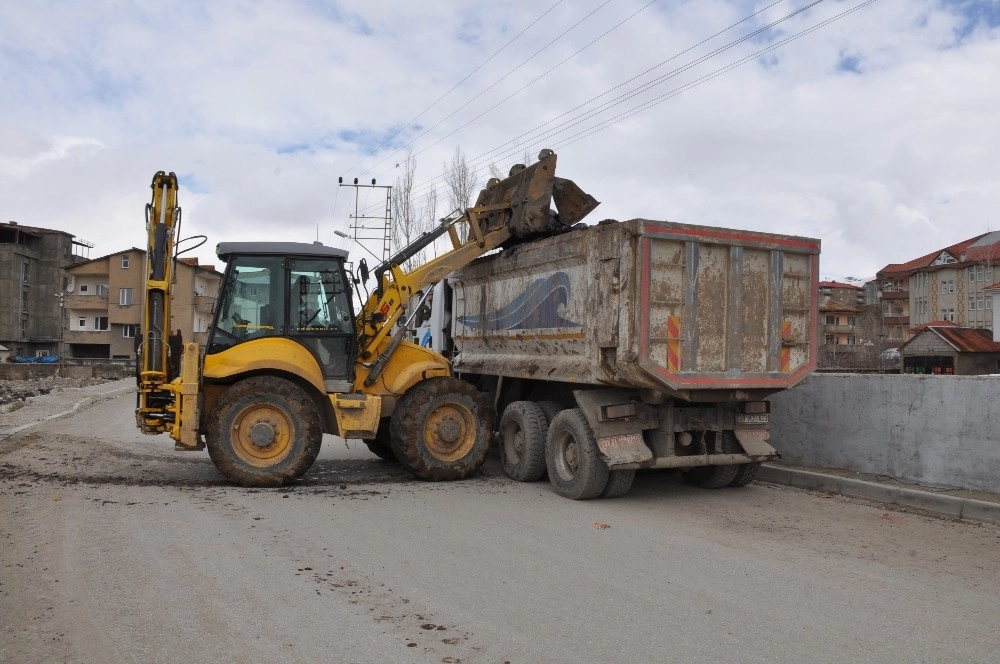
<point>115,548</point>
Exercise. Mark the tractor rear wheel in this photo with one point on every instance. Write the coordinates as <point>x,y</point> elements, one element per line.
<point>264,431</point>
<point>441,429</point>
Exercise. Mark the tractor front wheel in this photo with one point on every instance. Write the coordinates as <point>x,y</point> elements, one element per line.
<point>441,429</point>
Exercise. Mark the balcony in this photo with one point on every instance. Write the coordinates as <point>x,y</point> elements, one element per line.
<point>896,295</point>
<point>87,336</point>
<point>840,329</point>
<point>86,302</point>
<point>896,320</point>
<point>204,304</point>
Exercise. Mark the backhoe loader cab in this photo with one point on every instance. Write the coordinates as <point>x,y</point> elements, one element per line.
<point>291,290</point>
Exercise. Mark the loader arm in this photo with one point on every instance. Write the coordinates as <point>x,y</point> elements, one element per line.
<point>516,207</point>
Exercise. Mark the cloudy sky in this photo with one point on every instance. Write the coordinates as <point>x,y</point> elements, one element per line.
<point>870,125</point>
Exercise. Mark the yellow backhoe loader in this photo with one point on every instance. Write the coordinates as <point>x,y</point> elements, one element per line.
<point>287,360</point>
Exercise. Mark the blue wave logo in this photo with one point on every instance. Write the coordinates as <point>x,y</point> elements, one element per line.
<point>537,307</point>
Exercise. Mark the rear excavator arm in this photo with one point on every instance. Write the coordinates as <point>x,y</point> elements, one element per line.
<point>161,399</point>
<point>516,207</point>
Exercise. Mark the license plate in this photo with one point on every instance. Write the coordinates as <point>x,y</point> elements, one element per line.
<point>753,418</point>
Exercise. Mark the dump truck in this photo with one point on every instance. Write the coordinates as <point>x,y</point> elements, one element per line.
<point>288,358</point>
<point>634,345</point>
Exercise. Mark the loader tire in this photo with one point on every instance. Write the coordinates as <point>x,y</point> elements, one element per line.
<point>441,429</point>
<point>522,441</point>
<point>745,473</point>
<point>619,483</point>
<point>264,431</point>
<point>576,469</point>
<point>381,445</point>
<point>710,477</point>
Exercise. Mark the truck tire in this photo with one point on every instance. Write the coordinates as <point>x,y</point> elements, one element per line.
<point>745,473</point>
<point>710,477</point>
<point>381,445</point>
<point>522,441</point>
<point>551,409</point>
<point>572,459</point>
<point>264,431</point>
<point>441,429</point>
<point>619,483</point>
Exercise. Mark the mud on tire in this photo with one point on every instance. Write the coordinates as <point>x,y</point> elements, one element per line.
<point>576,469</point>
<point>441,429</point>
<point>381,444</point>
<point>263,431</point>
<point>522,441</point>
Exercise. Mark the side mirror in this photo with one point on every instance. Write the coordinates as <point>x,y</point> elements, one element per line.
<point>363,269</point>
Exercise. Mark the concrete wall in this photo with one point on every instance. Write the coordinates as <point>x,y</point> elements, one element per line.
<point>942,430</point>
<point>31,371</point>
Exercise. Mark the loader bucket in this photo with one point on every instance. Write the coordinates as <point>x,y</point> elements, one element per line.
<point>523,200</point>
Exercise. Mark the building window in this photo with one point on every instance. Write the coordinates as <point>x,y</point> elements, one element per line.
<point>852,320</point>
<point>948,315</point>
<point>972,304</point>
<point>989,303</point>
<point>25,272</point>
<point>82,323</point>
<point>125,262</point>
<point>831,320</point>
<point>948,286</point>
<point>852,340</point>
<point>24,327</point>
<point>84,289</point>
<point>125,296</point>
<point>130,331</point>
<point>102,290</point>
<point>101,323</point>
<point>830,340</point>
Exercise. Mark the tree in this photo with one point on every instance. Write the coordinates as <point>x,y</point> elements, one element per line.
<point>461,180</point>
<point>407,225</point>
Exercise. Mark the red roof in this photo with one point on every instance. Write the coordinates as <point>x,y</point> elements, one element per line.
<point>933,323</point>
<point>964,339</point>
<point>838,284</point>
<point>957,251</point>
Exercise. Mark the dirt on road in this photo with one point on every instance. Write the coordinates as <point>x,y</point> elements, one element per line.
<point>115,548</point>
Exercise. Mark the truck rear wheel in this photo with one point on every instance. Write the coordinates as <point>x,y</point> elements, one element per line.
<point>572,459</point>
<point>264,431</point>
<point>551,409</point>
<point>441,429</point>
<point>745,473</point>
<point>710,477</point>
<point>619,483</point>
<point>522,441</point>
<point>381,445</point>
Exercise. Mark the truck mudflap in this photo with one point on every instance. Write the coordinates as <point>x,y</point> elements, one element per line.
<point>618,422</point>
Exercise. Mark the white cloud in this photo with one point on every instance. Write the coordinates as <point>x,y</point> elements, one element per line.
<point>875,134</point>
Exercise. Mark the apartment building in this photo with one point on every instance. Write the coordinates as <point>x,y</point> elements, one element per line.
<point>33,264</point>
<point>104,299</point>
<point>949,284</point>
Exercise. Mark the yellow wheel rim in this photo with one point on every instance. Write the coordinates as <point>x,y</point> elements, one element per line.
<point>262,435</point>
<point>450,432</point>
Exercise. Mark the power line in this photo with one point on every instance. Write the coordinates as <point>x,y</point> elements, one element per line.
<point>494,84</point>
<point>453,88</point>
<point>507,151</point>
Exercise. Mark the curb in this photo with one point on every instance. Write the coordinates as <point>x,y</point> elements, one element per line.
<point>950,506</point>
<point>82,403</point>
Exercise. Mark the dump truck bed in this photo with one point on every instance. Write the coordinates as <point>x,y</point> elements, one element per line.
<point>676,308</point>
